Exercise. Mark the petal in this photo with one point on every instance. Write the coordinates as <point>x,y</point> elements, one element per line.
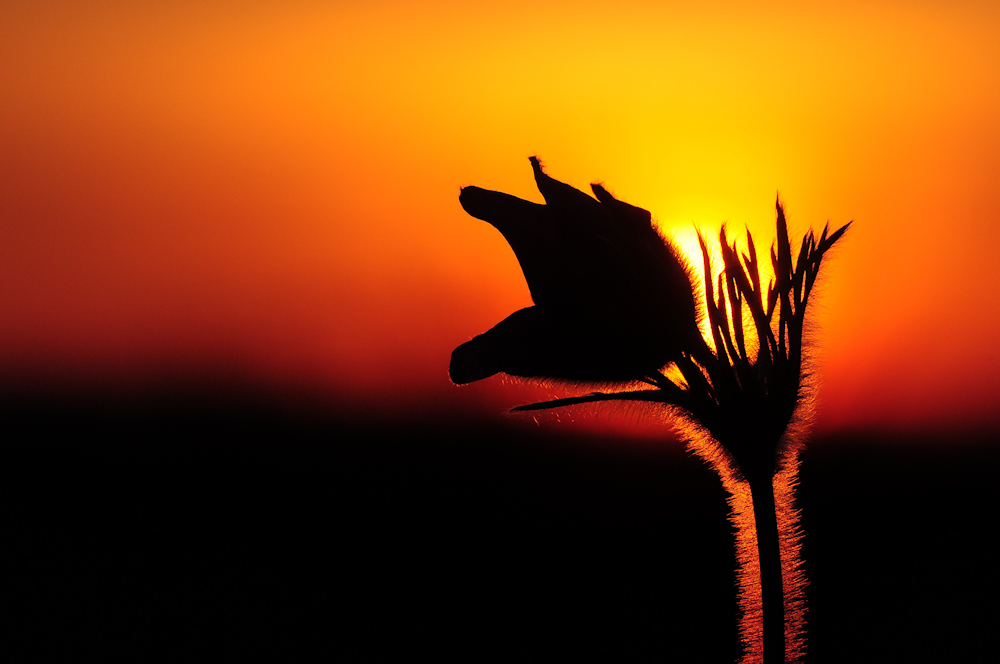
<point>663,278</point>
<point>538,343</point>
<point>511,346</point>
<point>569,262</point>
<point>569,204</point>
<point>614,301</point>
<point>641,220</point>
<point>529,231</point>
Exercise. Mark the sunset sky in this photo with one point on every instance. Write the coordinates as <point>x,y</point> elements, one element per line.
<point>268,192</point>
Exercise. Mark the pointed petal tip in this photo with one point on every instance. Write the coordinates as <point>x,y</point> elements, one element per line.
<point>490,206</point>
<point>467,365</point>
<point>601,193</point>
<point>470,198</point>
<point>536,167</point>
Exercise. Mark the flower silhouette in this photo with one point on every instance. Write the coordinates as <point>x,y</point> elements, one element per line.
<point>614,303</point>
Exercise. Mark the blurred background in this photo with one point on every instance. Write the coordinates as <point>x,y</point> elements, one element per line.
<point>234,266</point>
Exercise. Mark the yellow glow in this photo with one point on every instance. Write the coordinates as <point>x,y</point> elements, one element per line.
<point>686,240</point>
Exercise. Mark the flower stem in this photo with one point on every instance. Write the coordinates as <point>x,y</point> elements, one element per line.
<point>769,552</point>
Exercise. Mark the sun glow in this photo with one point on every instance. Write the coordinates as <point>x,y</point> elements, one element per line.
<point>686,241</point>
<point>275,185</point>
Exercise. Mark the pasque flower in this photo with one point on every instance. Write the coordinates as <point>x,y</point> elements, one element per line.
<point>614,303</point>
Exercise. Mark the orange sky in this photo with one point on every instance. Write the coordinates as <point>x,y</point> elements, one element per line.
<point>271,190</point>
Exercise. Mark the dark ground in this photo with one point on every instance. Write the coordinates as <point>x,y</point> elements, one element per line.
<point>190,528</point>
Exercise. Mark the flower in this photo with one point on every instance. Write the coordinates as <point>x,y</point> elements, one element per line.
<point>613,300</point>
<point>614,303</point>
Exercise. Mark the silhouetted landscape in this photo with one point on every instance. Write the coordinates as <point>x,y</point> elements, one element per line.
<point>239,243</point>
<point>194,523</point>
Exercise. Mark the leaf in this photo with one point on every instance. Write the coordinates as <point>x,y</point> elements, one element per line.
<point>659,395</point>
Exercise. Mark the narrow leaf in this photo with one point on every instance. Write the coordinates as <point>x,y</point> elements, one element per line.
<point>638,395</point>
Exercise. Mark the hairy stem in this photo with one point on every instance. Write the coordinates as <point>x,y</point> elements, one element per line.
<point>769,552</point>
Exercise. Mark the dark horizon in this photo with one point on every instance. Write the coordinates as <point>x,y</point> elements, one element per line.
<point>165,525</point>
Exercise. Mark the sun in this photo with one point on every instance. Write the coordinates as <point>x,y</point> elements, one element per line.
<point>684,238</point>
